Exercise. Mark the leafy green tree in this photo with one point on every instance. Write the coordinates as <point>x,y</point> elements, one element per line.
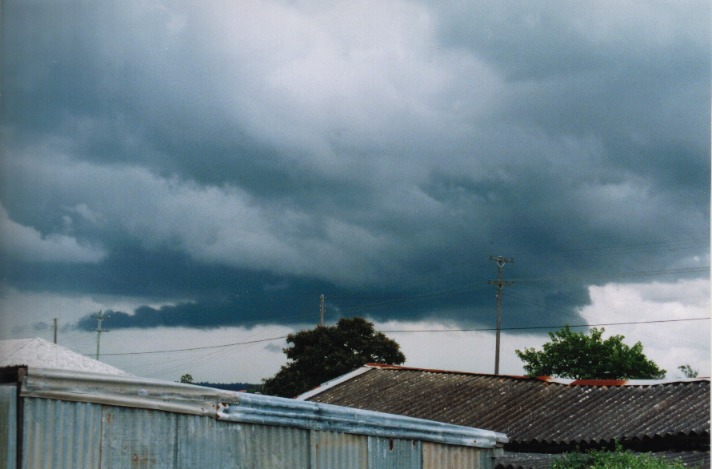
<point>326,352</point>
<point>186,378</point>
<point>618,459</point>
<point>688,371</point>
<point>580,356</point>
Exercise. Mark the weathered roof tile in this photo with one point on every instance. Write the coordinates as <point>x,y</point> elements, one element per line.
<point>532,410</point>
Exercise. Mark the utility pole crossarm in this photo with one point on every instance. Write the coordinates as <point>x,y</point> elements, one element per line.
<point>99,318</point>
<point>501,261</point>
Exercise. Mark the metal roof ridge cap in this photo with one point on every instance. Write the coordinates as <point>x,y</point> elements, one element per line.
<point>272,410</point>
<point>55,373</point>
<point>332,383</point>
<point>125,391</point>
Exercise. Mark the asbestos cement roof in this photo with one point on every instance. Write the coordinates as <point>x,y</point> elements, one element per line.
<point>38,353</point>
<point>531,411</point>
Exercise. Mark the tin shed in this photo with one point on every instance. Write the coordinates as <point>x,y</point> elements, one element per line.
<point>62,419</point>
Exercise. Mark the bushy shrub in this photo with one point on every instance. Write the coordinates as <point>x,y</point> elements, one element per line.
<point>618,459</point>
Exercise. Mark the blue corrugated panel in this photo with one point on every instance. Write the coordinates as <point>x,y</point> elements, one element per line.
<point>61,435</point>
<point>391,453</point>
<point>130,423</point>
<point>8,426</point>
<point>332,450</point>
<point>138,439</point>
<point>206,442</point>
<point>245,408</point>
<point>272,447</point>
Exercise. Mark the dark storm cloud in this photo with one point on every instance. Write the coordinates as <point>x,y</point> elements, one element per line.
<point>189,154</point>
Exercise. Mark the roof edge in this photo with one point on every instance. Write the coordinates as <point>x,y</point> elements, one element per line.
<point>435,370</point>
<point>333,383</point>
<point>123,391</point>
<point>271,410</point>
<point>617,382</point>
<point>547,379</point>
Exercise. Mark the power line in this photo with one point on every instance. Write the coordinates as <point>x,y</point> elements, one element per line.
<point>539,304</point>
<point>415,331</point>
<point>642,273</point>
<point>387,300</point>
<point>198,348</point>
<point>665,245</point>
<point>522,328</point>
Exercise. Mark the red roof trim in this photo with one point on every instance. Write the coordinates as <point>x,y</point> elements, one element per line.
<point>430,370</point>
<point>546,379</point>
<point>599,382</point>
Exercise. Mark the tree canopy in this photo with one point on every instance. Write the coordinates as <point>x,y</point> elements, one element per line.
<point>326,352</point>
<point>580,356</point>
<point>688,371</point>
<point>187,378</point>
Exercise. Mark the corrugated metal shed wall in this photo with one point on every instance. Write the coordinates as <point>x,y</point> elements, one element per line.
<point>342,450</point>
<point>199,439</point>
<point>443,456</point>
<point>74,435</point>
<point>8,426</point>
<point>389,453</point>
<point>138,438</point>
<point>273,447</point>
<point>60,434</point>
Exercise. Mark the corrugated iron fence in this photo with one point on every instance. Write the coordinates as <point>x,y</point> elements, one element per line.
<point>258,432</point>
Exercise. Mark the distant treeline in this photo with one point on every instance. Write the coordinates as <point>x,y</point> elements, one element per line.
<point>246,387</point>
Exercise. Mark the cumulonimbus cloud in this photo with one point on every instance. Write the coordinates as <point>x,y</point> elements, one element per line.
<point>28,244</point>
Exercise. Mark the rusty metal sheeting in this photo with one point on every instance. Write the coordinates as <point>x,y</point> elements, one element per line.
<point>342,450</point>
<point>388,453</point>
<point>530,410</point>
<point>149,394</point>
<point>439,456</point>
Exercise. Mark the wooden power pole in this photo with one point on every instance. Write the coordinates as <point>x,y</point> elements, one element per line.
<point>99,318</point>
<point>321,309</point>
<point>499,283</point>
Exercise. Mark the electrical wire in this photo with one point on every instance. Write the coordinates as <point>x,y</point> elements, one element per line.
<point>207,347</point>
<point>642,273</point>
<point>197,348</point>
<point>523,328</point>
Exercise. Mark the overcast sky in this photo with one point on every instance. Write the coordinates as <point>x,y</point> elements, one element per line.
<point>203,171</point>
